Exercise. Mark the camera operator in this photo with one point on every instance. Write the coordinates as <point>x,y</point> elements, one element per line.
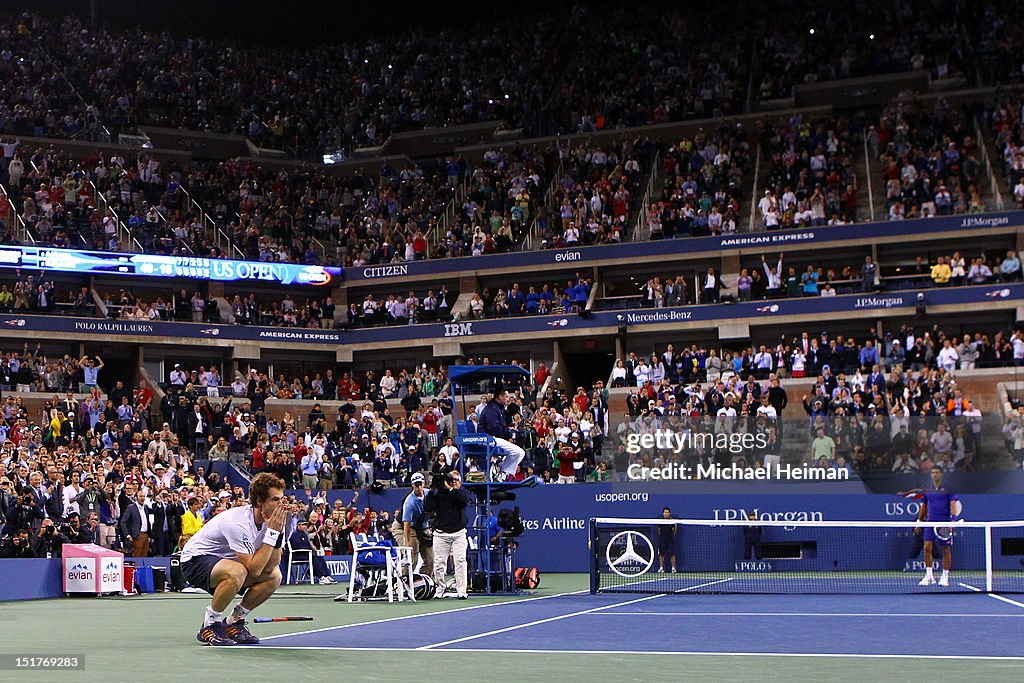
<point>91,498</point>
<point>17,546</point>
<point>75,532</point>
<point>22,512</point>
<point>446,505</point>
<point>49,541</point>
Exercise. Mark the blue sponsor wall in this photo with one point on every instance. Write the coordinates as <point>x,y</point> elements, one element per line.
<point>854,304</point>
<point>775,240</point>
<point>42,578</point>
<point>557,517</point>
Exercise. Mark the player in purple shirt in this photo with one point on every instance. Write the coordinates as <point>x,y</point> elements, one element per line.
<point>941,506</point>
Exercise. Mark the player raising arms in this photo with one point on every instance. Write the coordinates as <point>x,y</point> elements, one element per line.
<point>940,507</point>
<point>238,551</point>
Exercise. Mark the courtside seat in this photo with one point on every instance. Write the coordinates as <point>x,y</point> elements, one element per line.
<point>383,563</point>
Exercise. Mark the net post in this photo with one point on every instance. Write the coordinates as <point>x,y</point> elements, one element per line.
<point>988,559</point>
<point>594,580</point>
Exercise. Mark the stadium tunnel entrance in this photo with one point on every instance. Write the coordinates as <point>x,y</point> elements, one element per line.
<point>120,362</point>
<point>586,361</point>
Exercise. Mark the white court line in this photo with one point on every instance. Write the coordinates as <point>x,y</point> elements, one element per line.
<point>564,616</point>
<point>422,614</point>
<point>993,595</point>
<point>802,614</point>
<point>820,655</point>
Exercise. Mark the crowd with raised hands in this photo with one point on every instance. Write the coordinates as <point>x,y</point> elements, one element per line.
<point>929,160</point>
<point>32,370</point>
<point>810,179</point>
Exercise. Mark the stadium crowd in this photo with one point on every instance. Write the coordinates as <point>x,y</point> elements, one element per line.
<point>810,179</point>
<point>929,160</point>
<point>870,403</point>
<point>330,97</point>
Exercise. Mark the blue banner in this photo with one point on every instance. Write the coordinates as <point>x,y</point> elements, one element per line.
<point>551,325</point>
<point>772,241</point>
<point>149,265</point>
<point>557,516</point>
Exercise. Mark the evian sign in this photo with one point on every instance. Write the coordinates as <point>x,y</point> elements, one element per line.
<point>80,575</point>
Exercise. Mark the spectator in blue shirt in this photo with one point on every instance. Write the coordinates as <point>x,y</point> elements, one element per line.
<point>90,373</point>
<point>868,355</point>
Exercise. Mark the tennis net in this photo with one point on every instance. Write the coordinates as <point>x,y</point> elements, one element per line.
<point>740,556</point>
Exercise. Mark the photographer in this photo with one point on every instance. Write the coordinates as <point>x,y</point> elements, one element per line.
<point>49,541</point>
<point>22,512</point>
<point>17,546</point>
<point>76,533</point>
<point>446,507</point>
<point>90,499</point>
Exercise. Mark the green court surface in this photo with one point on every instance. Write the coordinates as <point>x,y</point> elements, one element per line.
<point>152,638</point>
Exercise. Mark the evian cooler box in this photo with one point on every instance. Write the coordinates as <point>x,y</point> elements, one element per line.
<point>89,568</point>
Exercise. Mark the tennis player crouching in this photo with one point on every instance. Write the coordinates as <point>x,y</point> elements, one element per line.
<point>238,551</point>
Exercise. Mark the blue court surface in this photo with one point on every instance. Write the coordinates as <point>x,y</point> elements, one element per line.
<point>951,626</point>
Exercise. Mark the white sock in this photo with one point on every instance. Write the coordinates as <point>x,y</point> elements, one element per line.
<point>928,572</point>
<point>212,617</point>
<point>238,613</point>
<point>945,573</point>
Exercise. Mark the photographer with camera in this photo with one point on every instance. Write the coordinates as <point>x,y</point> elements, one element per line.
<point>22,512</point>
<point>446,506</point>
<point>17,546</point>
<point>49,541</point>
<point>76,533</point>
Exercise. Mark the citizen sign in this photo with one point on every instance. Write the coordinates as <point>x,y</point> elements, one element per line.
<point>385,271</point>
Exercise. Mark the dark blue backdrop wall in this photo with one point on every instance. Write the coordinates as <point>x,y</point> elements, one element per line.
<point>557,517</point>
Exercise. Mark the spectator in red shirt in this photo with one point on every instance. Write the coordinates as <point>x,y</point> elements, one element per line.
<point>541,374</point>
<point>566,473</point>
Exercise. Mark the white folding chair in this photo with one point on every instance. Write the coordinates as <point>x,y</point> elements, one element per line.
<point>382,563</point>
<point>301,559</point>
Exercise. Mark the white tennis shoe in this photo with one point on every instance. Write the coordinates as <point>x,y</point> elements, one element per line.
<point>944,581</point>
<point>929,581</point>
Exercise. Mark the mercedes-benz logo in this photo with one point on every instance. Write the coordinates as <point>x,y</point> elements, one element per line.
<point>632,558</point>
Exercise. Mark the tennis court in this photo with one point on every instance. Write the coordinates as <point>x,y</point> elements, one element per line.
<point>558,631</point>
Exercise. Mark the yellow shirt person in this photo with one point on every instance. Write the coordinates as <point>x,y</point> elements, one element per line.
<point>941,272</point>
<point>190,522</point>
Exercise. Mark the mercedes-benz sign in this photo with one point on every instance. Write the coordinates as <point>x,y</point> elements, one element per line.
<point>630,554</point>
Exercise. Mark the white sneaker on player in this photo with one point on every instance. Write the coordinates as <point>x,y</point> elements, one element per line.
<point>927,581</point>
<point>944,580</point>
